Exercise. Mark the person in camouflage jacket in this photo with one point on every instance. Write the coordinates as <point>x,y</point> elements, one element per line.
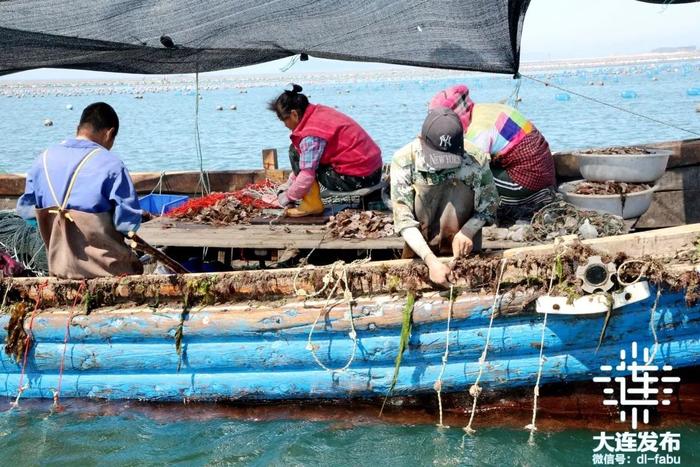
<point>441,196</point>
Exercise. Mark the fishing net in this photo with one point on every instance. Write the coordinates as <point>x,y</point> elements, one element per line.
<point>171,36</point>
<point>561,218</point>
<point>23,242</point>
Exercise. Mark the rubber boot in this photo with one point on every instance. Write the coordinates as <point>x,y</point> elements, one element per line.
<point>310,205</point>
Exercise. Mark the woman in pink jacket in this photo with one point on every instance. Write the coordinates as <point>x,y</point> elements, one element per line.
<point>327,147</point>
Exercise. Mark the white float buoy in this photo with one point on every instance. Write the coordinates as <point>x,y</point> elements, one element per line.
<point>697,108</point>
<point>69,106</point>
<point>219,107</point>
<point>48,122</point>
<point>233,107</point>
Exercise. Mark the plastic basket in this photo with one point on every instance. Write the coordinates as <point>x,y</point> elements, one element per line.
<point>161,204</point>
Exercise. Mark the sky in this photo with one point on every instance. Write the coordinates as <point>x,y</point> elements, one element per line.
<point>554,29</point>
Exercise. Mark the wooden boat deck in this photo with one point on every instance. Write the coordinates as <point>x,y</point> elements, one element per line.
<point>164,232</point>
<point>167,232</point>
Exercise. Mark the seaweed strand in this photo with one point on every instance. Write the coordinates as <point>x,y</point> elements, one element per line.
<point>406,325</point>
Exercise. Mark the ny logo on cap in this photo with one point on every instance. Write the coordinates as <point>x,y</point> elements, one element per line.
<point>445,141</point>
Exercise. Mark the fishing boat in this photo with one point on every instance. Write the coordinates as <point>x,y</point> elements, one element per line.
<point>336,332</point>
<point>513,319</point>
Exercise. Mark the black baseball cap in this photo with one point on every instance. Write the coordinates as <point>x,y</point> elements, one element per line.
<point>442,138</point>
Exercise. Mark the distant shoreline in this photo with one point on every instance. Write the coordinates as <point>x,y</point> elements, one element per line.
<point>617,60</point>
<point>185,83</point>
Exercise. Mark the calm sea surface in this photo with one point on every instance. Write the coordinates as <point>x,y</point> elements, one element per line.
<point>157,134</point>
<point>34,436</point>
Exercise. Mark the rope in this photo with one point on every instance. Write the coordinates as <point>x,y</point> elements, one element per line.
<point>20,385</point>
<point>622,109</point>
<point>532,426</point>
<point>304,262</point>
<point>203,176</point>
<point>653,325</point>
<point>642,271</point>
<point>475,389</point>
<point>159,185</point>
<point>347,296</point>
<point>4,297</point>
<point>438,383</point>
<point>514,98</point>
<point>57,392</point>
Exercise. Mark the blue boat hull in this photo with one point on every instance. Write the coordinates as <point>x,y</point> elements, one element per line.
<point>262,353</point>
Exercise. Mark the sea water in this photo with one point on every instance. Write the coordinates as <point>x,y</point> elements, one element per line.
<point>105,434</point>
<point>157,134</point>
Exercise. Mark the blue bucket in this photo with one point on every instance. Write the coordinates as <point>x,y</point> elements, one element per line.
<point>161,204</point>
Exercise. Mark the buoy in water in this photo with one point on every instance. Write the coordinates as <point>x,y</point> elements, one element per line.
<point>48,122</point>
<point>628,94</point>
<point>69,107</point>
<point>697,108</point>
<point>693,92</point>
<point>563,96</point>
<point>233,107</point>
<point>219,107</point>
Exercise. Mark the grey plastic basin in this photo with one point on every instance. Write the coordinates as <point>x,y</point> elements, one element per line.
<point>631,168</point>
<point>635,204</point>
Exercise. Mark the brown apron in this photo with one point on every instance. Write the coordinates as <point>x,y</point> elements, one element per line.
<point>442,210</point>
<point>83,245</point>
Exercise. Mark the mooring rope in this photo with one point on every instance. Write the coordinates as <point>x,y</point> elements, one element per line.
<point>66,336</point>
<point>347,296</point>
<point>438,382</point>
<point>475,389</point>
<point>20,385</point>
<point>203,176</point>
<point>532,426</point>
<point>653,326</point>
<point>622,109</point>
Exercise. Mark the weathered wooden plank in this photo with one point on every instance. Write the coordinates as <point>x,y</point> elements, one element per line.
<point>290,320</point>
<point>659,243</point>
<point>167,232</point>
<point>685,152</point>
<point>11,184</point>
<point>186,182</point>
<point>312,382</point>
<point>269,159</point>
<point>365,279</point>
<point>670,209</point>
<point>680,178</point>
<point>517,336</point>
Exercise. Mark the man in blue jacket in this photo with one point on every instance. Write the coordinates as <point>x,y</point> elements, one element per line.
<point>84,201</point>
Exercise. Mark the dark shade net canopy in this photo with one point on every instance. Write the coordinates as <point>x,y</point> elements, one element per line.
<point>206,35</point>
<point>668,2</point>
